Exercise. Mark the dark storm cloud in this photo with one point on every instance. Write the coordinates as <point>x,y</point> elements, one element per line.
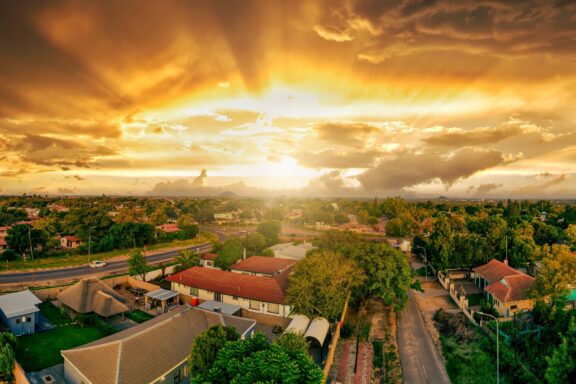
<point>408,169</point>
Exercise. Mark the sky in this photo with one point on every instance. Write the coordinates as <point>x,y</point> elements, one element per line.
<point>308,98</point>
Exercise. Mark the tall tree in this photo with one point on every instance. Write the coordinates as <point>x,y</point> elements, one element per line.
<point>7,343</point>
<point>270,230</point>
<point>186,259</point>
<point>558,271</point>
<point>320,284</point>
<point>387,272</point>
<point>206,346</point>
<point>137,265</point>
<point>20,237</point>
<point>230,252</point>
<point>254,243</point>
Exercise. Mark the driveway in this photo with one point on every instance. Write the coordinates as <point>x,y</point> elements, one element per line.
<point>421,361</point>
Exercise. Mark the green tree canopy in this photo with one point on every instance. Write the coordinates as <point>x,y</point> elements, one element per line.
<point>206,346</point>
<point>388,274</point>
<point>255,360</point>
<point>270,230</point>
<point>558,271</point>
<point>320,284</point>
<point>255,243</point>
<point>186,259</point>
<point>7,343</point>
<point>230,252</point>
<point>137,265</point>
<point>20,236</point>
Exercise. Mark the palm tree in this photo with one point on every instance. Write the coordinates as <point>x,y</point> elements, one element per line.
<point>186,259</point>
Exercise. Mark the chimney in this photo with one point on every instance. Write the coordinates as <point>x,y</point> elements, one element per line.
<point>506,261</point>
<point>244,254</point>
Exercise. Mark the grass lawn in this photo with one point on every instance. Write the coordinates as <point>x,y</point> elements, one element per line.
<point>475,299</point>
<point>138,316</point>
<point>53,314</point>
<point>42,350</point>
<point>72,260</point>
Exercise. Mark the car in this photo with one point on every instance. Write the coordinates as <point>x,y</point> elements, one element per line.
<point>97,264</point>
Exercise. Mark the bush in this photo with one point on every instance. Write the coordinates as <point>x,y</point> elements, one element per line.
<point>9,255</point>
<point>346,331</point>
<point>453,324</point>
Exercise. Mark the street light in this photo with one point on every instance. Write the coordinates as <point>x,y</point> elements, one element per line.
<point>425,260</point>
<point>497,346</point>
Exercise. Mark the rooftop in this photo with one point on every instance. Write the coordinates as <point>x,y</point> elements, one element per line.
<point>263,264</point>
<point>263,288</point>
<point>495,270</point>
<point>19,303</point>
<point>209,256</point>
<point>145,352</point>
<point>511,288</point>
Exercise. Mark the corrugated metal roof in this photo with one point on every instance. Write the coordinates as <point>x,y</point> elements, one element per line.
<point>19,303</point>
<point>318,330</point>
<point>162,294</point>
<point>227,309</point>
<point>299,324</point>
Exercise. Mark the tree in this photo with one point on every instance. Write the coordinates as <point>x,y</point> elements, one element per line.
<point>255,360</point>
<point>270,230</point>
<point>293,342</point>
<point>9,255</point>
<point>441,243</point>
<point>186,259</point>
<point>229,254</point>
<point>337,240</point>
<point>557,272</point>
<point>562,363</point>
<point>320,284</point>
<point>20,236</point>
<point>254,243</point>
<point>570,235</point>
<point>397,227</point>
<point>137,265</point>
<point>206,346</point>
<point>7,343</point>
<point>387,272</point>
<point>159,217</point>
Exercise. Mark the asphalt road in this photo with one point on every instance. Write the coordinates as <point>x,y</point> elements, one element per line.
<point>84,271</point>
<point>421,361</point>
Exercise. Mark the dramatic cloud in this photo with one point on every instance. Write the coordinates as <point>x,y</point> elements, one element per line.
<point>409,169</point>
<point>330,158</point>
<point>484,189</point>
<point>478,136</point>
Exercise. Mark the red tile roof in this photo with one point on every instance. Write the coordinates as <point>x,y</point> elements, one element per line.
<point>72,238</point>
<point>263,264</point>
<point>511,288</point>
<point>209,256</point>
<point>495,270</point>
<point>268,289</point>
<point>3,242</point>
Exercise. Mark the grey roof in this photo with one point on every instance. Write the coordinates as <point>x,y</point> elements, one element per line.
<point>291,251</point>
<point>318,329</point>
<point>227,309</point>
<point>144,353</point>
<point>299,324</point>
<point>19,303</point>
<point>162,294</point>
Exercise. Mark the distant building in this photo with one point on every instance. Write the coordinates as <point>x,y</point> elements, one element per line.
<point>382,222</point>
<point>19,312</point>
<point>507,288</point>
<point>70,242</point>
<point>295,214</point>
<point>4,231</point>
<point>156,351</point>
<point>226,218</point>
<point>402,245</point>
<point>207,260</point>
<point>169,228</point>
<point>259,294</point>
<point>3,244</point>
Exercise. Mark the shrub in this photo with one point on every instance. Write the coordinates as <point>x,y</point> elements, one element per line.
<point>346,331</point>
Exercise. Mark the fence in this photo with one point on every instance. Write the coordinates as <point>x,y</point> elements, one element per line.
<point>334,344</point>
<point>460,300</point>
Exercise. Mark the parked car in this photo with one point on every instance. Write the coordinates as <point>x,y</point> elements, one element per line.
<point>97,264</point>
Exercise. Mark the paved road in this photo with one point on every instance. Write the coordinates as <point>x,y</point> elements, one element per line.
<point>421,361</point>
<point>83,271</point>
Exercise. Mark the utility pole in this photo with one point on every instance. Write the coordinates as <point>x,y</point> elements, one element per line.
<point>31,254</point>
<point>497,345</point>
<point>425,260</point>
<point>89,242</point>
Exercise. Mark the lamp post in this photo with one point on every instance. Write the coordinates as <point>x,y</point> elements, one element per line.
<point>425,260</point>
<point>31,254</point>
<point>497,346</point>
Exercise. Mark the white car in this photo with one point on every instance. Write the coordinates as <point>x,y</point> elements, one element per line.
<point>97,264</point>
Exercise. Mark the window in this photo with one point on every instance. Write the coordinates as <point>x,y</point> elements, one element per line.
<point>234,297</point>
<point>193,291</point>
<point>255,305</point>
<point>513,307</point>
<point>29,319</point>
<point>273,308</point>
<point>210,263</point>
<point>18,321</point>
<point>177,377</point>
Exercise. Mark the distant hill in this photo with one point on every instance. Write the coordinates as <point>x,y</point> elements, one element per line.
<point>228,194</point>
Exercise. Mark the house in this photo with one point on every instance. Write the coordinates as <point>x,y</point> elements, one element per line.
<point>3,244</point>
<point>92,296</point>
<point>259,294</point>
<point>4,231</point>
<point>19,312</point>
<point>262,266</point>
<point>207,260</point>
<point>507,288</point>
<point>70,242</point>
<point>402,245</point>
<point>382,222</point>
<point>226,217</point>
<point>156,351</point>
<point>291,250</point>
<point>169,228</point>
<point>295,214</point>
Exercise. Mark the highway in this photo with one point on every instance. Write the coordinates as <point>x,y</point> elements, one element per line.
<point>118,266</point>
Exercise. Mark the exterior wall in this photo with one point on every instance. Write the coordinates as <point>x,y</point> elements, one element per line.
<point>204,295</point>
<point>506,310</point>
<point>22,328</point>
<point>182,370</point>
<point>207,263</point>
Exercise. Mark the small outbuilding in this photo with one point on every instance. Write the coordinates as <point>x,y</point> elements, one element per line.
<point>216,306</point>
<point>299,324</point>
<point>161,299</point>
<point>19,312</point>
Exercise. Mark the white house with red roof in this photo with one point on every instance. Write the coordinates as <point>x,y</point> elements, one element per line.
<point>259,294</point>
<point>507,288</point>
<point>207,260</point>
<point>70,242</point>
